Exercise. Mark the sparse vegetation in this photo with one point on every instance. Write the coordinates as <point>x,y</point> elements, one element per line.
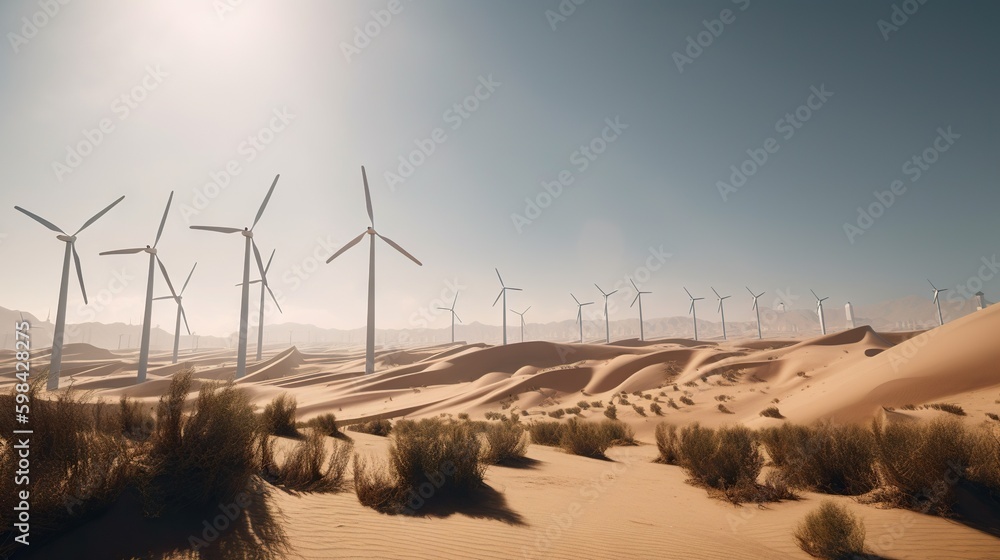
<point>993,416</point>
<point>949,408</point>
<point>573,410</point>
<point>380,427</point>
<point>506,442</point>
<point>583,404</point>
<point>464,416</point>
<point>326,424</point>
<point>545,433</point>
<point>831,532</point>
<point>672,404</point>
<point>307,468</point>
<point>687,400</point>
<point>722,408</point>
<point>557,413</point>
<point>611,411</point>
<point>771,412</point>
<point>639,409</point>
<point>619,432</point>
<point>279,417</point>
<point>493,415</point>
<point>668,443</point>
<point>597,404</point>
<point>826,458</point>
<point>656,409</point>
<point>587,439</point>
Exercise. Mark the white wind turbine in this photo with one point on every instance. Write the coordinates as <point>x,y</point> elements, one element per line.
<point>453,316</point>
<point>722,311</point>
<point>264,286</point>
<point>55,362</point>
<point>757,309</point>
<point>819,310</point>
<point>579,313</point>
<point>241,352</point>
<point>521,314</point>
<point>147,314</point>
<point>607,323</point>
<point>371,233</point>
<point>638,298</point>
<point>937,301</point>
<point>693,311</point>
<point>503,293</point>
<point>178,298</point>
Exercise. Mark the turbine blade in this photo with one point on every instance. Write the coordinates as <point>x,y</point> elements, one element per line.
<point>274,299</point>
<point>720,306</point>
<point>350,244</point>
<point>574,298</point>
<point>579,314</point>
<point>454,302</point>
<point>163,220</point>
<point>164,297</point>
<point>691,310</point>
<point>588,303</point>
<point>368,196</point>
<point>600,290</point>
<point>264,204</point>
<point>688,293</point>
<point>935,297</point>
<point>633,284</point>
<point>166,276</point>
<point>498,276</point>
<point>456,316</point>
<point>814,294</point>
<point>99,214</point>
<point>40,220</point>
<point>188,279</point>
<point>269,259</point>
<point>498,297</point>
<point>716,293</point>
<point>514,289</point>
<point>526,310</point>
<point>184,316</point>
<point>931,283</point>
<point>636,299</point>
<point>79,272</point>
<point>123,251</point>
<point>754,306</point>
<point>260,264</point>
<point>612,293</point>
<point>400,249</point>
<point>218,229</point>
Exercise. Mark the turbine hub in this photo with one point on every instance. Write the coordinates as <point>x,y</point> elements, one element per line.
<point>66,238</point>
<point>371,230</point>
<point>247,233</point>
<point>150,250</point>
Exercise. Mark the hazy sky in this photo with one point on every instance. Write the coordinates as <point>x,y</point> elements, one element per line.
<point>314,90</point>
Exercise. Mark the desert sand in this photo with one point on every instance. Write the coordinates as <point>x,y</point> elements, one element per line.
<point>565,506</point>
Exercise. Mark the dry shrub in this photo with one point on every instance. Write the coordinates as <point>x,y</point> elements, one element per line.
<point>771,412</point>
<point>597,404</point>
<point>583,404</point>
<point>783,443</point>
<point>611,411</point>
<point>722,408</point>
<point>506,442</point>
<point>279,417</point>
<point>373,427</point>
<point>656,409</point>
<point>134,420</point>
<point>376,486</point>
<point>984,458</point>
<point>307,467</point>
<point>639,409</point>
<point>557,413</point>
<point>619,433</point>
<point>668,443</point>
<point>687,400</point>
<point>949,408</point>
<point>826,458</point>
<point>326,424</point>
<point>546,433</point>
<point>831,532</point>
<point>587,439</point>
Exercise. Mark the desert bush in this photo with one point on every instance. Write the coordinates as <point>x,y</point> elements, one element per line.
<point>597,404</point>
<point>619,433</point>
<point>771,412</point>
<point>984,459</point>
<point>573,410</point>
<point>656,409</point>
<point>463,415</point>
<point>687,400</point>
<point>376,486</point>
<point>949,408</point>
<point>279,417</point>
<point>826,457</point>
<point>493,415</point>
<point>672,404</point>
<point>622,399</point>
<point>134,420</point>
<point>831,532</point>
<point>993,416</point>
<point>557,413</point>
<point>587,439</point>
<point>639,409</point>
<point>506,442</point>
<point>326,424</point>
<point>583,404</point>
<point>546,433</point>
<point>431,448</point>
<point>668,443</point>
<point>308,468</point>
<point>611,411</point>
<point>379,427</point>
<point>722,408</point>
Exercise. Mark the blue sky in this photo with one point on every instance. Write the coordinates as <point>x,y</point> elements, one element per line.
<point>201,81</point>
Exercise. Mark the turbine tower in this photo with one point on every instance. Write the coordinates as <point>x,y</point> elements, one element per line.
<point>241,352</point>
<point>722,311</point>
<point>937,301</point>
<point>453,316</point>
<point>522,320</point>
<point>819,310</point>
<point>849,312</point>
<point>55,362</point>
<point>503,293</point>
<point>579,313</point>
<point>264,286</point>
<point>147,315</point>
<point>757,309</point>
<point>638,298</point>
<point>607,324</point>
<point>693,311</point>
<point>372,234</point>
<point>178,297</point>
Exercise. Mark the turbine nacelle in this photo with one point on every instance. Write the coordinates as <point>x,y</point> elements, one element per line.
<point>247,233</point>
<point>66,238</point>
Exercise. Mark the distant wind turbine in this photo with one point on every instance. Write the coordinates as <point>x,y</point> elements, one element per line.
<point>178,297</point>
<point>638,298</point>
<point>819,310</point>
<point>264,286</point>
<point>579,313</point>
<point>503,293</point>
<point>607,323</point>
<point>372,234</point>
<point>453,316</point>
<point>937,301</point>
<point>55,362</point>
<point>147,315</point>
<point>241,352</point>
<point>521,314</point>
<point>722,311</point>
<point>693,311</point>
<point>757,309</point>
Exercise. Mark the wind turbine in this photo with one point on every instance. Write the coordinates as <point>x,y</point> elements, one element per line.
<point>693,311</point>
<point>264,286</point>
<point>937,301</point>
<point>722,310</point>
<point>607,324</point>
<point>757,309</point>
<point>55,362</point>
<point>819,310</point>
<point>638,298</point>
<point>241,352</point>
<point>147,316</point>
<point>503,293</point>
<point>522,320</point>
<point>370,344</point>
<point>453,317</point>
<point>579,313</point>
<point>180,314</point>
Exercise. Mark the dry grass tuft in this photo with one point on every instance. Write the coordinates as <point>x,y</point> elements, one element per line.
<point>832,532</point>
<point>771,412</point>
<point>506,442</point>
